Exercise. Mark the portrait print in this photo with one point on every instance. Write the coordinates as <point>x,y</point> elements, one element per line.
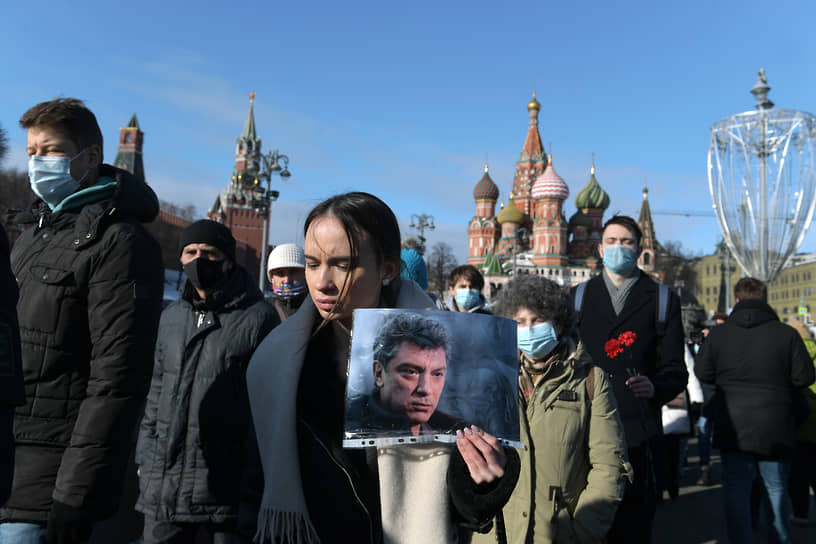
<point>420,375</point>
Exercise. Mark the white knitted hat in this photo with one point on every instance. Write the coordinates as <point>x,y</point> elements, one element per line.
<point>286,256</point>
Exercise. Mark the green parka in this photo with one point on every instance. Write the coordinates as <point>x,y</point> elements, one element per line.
<point>574,465</point>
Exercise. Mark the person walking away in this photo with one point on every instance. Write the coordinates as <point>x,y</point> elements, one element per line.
<point>759,366</point>
<point>12,392</point>
<point>632,329</point>
<point>91,282</point>
<point>197,413</point>
<point>678,423</point>
<point>803,465</point>
<point>574,464</point>
<point>284,269</point>
<point>704,422</point>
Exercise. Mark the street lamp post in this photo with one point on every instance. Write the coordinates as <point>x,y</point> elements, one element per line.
<point>265,197</point>
<point>420,223</point>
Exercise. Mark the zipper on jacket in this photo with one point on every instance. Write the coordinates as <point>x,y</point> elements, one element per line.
<point>200,319</point>
<point>348,477</point>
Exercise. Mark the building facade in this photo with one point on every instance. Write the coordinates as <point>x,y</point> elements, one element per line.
<point>531,234</point>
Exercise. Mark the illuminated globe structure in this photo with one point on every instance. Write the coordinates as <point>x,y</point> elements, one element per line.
<point>763,183</point>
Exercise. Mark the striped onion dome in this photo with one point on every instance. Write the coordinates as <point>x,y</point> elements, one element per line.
<point>550,184</point>
<point>486,189</point>
<point>592,196</point>
<point>510,214</point>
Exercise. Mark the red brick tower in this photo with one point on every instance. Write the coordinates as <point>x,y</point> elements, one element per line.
<point>129,156</point>
<point>483,230</point>
<point>236,207</point>
<point>530,165</point>
<point>550,227</point>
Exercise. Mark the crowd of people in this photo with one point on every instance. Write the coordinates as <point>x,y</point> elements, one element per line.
<point>239,397</point>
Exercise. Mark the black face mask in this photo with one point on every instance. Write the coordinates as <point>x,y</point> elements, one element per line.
<point>205,274</point>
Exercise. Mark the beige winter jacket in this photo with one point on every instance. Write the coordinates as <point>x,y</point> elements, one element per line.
<point>573,470</point>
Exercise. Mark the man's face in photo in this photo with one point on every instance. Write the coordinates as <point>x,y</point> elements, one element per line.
<point>412,381</point>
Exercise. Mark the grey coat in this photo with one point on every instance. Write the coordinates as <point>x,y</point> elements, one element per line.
<point>191,438</point>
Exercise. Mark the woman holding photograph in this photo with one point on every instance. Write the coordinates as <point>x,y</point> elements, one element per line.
<point>313,489</point>
<point>573,470</point>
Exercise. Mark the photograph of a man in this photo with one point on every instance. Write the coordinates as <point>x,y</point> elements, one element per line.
<point>410,364</point>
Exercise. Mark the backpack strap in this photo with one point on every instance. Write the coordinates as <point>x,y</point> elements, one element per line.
<point>579,300</point>
<point>662,308</point>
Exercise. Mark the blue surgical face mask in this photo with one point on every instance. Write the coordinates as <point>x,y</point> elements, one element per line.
<point>50,178</point>
<point>468,298</point>
<point>537,341</point>
<point>619,259</point>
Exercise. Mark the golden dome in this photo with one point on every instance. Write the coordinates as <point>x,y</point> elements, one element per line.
<point>510,214</point>
<point>533,104</point>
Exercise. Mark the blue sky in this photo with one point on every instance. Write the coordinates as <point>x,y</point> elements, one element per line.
<point>404,100</point>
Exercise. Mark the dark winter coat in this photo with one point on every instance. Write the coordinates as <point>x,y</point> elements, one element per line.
<point>659,358</point>
<point>90,298</point>
<point>191,437</point>
<point>756,362</point>
<point>12,392</point>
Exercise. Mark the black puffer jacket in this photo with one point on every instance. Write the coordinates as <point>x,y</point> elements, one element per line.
<point>756,362</point>
<point>90,298</point>
<point>197,414</point>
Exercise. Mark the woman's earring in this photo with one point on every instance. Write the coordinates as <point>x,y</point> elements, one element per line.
<point>386,281</point>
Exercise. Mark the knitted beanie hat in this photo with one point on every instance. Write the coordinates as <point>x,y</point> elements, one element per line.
<point>286,256</point>
<point>210,232</point>
<point>413,267</point>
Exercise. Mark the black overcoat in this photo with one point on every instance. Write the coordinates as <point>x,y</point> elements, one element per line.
<point>659,358</point>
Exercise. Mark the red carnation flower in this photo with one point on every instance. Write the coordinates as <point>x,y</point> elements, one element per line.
<point>627,338</point>
<point>613,348</point>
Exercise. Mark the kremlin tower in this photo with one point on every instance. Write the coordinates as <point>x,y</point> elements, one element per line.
<point>235,206</point>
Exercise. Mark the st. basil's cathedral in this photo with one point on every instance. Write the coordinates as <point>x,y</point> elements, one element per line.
<point>531,234</point>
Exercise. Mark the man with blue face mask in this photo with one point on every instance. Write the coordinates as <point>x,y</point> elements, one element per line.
<point>645,366</point>
<point>465,285</point>
<point>90,280</point>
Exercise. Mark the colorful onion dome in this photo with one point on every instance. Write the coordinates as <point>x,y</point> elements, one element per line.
<point>533,104</point>
<point>579,219</point>
<point>510,214</point>
<point>592,196</point>
<point>486,189</point>
<point>550,184</point>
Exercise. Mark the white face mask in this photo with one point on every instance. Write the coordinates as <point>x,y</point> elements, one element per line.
<point>50,178</point>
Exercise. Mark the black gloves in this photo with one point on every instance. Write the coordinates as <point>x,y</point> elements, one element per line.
<point>68,525</point>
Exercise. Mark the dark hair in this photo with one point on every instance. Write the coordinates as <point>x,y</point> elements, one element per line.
<point>626,222</point>
<point>751,289</point>
<point>412,328</point>
<point>68,115</point>
<point>543,297</point>
<point>362,213</point>
<point>470,273</point>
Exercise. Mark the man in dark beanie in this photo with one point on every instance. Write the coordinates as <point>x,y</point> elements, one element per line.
<point>197,413</point>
